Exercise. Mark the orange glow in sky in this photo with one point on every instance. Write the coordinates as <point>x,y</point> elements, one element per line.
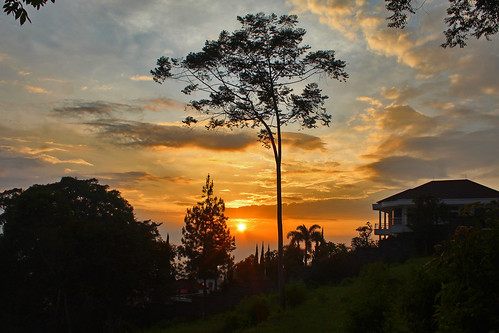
<point>410,112</point>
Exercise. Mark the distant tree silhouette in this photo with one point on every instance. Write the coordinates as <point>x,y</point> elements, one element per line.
<point>206,240</point>
<point>16,8</point>
<point>256,255</point>
<point>262,257</point>
<point>465,18</point>
<point>363,241</point>
<point>307,236</point>
<point>248,75</point>
<point>293,261</point>
<point>75,259</point>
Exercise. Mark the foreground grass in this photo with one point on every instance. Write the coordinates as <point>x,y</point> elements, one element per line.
<point>322,309</point>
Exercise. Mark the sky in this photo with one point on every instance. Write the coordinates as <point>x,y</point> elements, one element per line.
<point>77,99</point>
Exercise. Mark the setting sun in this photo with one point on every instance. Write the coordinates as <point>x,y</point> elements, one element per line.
<point>241,227</point>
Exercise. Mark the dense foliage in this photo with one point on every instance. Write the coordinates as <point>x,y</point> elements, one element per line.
<point>207,243</point>
<point>307,236</point>
<point>75,259</point>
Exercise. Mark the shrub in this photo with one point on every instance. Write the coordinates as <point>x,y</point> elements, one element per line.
<point>250,312</point>
<point>295,293</point>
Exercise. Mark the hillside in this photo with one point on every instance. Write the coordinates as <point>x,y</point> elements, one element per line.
<point>356,305</point>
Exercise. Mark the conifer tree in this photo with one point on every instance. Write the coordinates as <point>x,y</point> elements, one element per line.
<point>207,243</point>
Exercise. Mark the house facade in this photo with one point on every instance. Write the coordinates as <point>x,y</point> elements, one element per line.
<point>393,211</point>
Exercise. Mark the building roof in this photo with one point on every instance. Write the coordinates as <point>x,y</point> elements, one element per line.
<point>447,189</point>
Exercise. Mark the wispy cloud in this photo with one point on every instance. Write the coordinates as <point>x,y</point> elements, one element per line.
<point>141,78</point>
<point>37,90</point>
<point>302,141</point>
<point>95,108</point>
<point>154,135</point>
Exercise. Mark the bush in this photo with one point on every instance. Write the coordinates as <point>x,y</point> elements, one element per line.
<point>370,308</point>
<point>295,293</point>
<point>250,312</point>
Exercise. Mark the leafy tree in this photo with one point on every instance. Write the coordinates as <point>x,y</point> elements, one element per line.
<point>16,8</point>
<point>206,240</point>
<point>307,236</point>
<point>363,241</point>
<point>247,76</point>
<point>75,259</point>
<point>465,18</point>
<point>293,261</point>
<point>424,219</point>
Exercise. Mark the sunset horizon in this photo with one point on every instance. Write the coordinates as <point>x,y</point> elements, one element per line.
<point>77,100</point>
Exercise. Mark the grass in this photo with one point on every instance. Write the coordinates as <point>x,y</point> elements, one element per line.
<point>330,308</point>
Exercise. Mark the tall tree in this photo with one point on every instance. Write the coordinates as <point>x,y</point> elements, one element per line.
<point>16,8</point>
<point>307,236</point>
<point>248,75</point>
<point>477,18</point>
<point>206,240</point>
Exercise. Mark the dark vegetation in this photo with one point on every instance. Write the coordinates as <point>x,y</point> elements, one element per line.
<point>75,259</point>
<point>454,290</point>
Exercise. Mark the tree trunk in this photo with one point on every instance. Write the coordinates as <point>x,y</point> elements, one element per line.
<point>280,247</point>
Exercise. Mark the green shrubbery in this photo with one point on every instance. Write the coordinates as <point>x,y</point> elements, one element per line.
<point>295,293</point>
<point>248,313</point>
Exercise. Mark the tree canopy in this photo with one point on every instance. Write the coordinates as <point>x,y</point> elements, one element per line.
<point>307,236</point>
<point>74,258</point>
<point>16,8</point>
<point>206,240</point>
<point>479,18</point>
<point>247,78</point>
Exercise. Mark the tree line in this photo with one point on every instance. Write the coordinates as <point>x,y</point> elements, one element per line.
<point>73,250</point>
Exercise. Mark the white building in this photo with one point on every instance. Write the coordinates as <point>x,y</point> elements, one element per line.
<point>453,193</point>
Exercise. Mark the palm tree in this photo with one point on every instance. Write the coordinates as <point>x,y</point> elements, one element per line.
<point>307,236</point>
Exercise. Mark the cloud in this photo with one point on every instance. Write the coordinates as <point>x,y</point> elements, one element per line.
<point>94,108</point>
<point>156,135</point>
<point>404,119</point>
<point>302,141</point>
<point>41,154</point>
<point>463,150</point>
<point>160,104</point>
<point>396,170</point>
<point>54,160</point>
<point>136,177</point>
<point>36,90</point>
<point>141,78</point>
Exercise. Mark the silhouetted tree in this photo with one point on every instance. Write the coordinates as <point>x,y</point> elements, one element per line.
<point>16,8</point>
<point>307,236</point>
<point>363,241</point>
<point>262,258</point>
<point>465,18</point>
<point>293,261</point>
<point>75,259</point>
<point>256,255</point>
<point>467,268</point>
<point>206,240</point>
<point>248,75</point>
<point>424,217</point>
<point>270,263</point>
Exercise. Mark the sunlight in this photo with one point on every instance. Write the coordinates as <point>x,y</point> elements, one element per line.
<point>241,227</point>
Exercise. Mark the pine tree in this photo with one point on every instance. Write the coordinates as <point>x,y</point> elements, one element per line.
<point>206,242</point>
